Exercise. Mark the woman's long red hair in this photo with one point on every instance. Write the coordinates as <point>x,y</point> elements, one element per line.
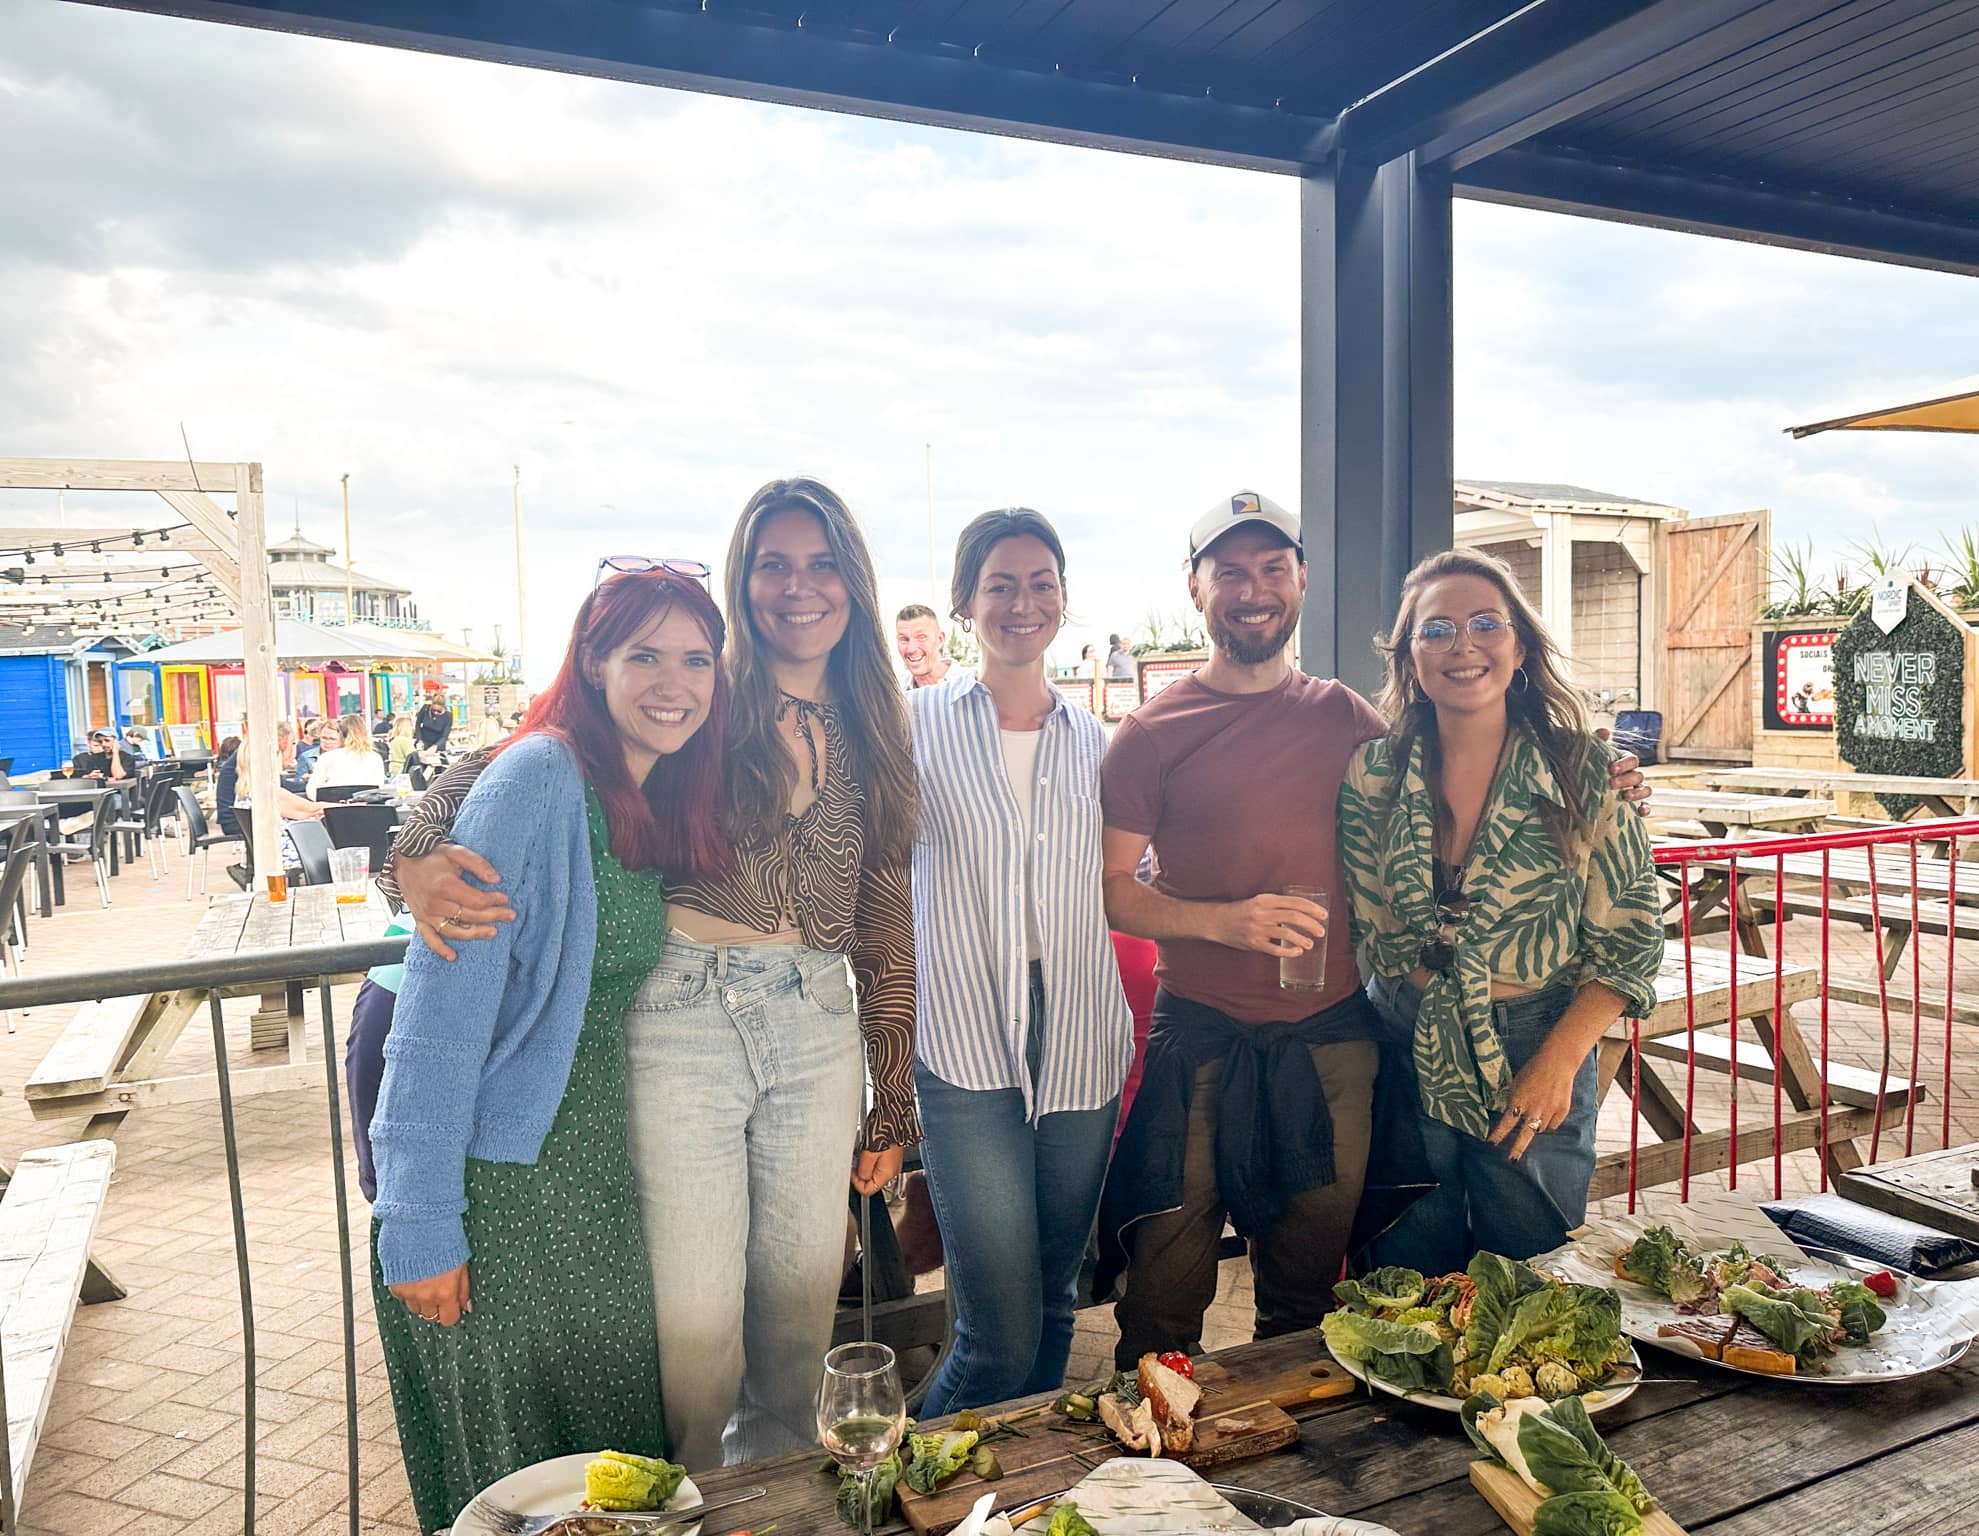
<point>673,821</point>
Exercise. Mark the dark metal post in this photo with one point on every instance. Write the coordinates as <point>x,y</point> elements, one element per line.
<point>343,1252</point>
<point>225,1075</point>
<point>1377,406</point>
<point>1341,409</point>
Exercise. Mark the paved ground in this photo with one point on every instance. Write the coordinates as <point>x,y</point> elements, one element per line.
<point>144,1435</point>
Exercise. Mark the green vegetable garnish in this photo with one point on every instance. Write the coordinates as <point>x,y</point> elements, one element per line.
<point>1067,1521</point>
<point>933,1459</point>
<point>617,1480</point>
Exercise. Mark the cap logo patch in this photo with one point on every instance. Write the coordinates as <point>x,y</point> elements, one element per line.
<point>1242,505</point>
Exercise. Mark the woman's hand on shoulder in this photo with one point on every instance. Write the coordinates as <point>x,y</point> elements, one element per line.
<point>1625,776</point>
<point>447,909</point>
<point>438,1299</point>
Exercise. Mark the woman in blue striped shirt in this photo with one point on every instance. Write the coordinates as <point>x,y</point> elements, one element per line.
<point>1023,1035</point>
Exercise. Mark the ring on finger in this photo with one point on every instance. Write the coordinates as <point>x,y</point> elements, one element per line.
<point>1534,1123</point>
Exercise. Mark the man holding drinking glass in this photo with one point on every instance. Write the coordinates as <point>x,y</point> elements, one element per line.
<point>1256,1101</point>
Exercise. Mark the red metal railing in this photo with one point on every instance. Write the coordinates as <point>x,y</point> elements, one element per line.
<point>1700,867</point>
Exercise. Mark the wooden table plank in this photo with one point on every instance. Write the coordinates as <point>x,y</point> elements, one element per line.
<point>1717,808</point>
<point>1937,1189</point>
<point>1926,1489</point>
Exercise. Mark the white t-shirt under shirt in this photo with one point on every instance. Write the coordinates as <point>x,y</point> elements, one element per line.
<point>1020,762</point>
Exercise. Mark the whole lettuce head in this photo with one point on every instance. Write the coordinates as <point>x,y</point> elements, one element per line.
<point>933,1459</point>
<point>1586,1514</point>
<point>618,1480</point>
<point>1393,1287</point>
<point>1411,1358</point>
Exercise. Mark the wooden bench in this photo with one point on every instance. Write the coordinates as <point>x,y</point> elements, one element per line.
<point>86,1055</point>
<point>48,1219</point>
<point>1855,1086</point>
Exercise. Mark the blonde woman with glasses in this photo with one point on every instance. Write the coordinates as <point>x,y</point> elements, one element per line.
<point>1502,894</point>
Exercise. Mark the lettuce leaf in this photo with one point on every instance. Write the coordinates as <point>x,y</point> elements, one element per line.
<point>1660,1260</point>
<point>1500,1282</point>
<point>937,1458</point>
<point>1392,1287</point>
<point>1795,1320</point>
<point>1413,1359</point>
<point>1586,1514</point>
<point>1861,1315</point>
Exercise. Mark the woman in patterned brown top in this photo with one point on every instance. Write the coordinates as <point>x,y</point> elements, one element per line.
<point>744,1073</point>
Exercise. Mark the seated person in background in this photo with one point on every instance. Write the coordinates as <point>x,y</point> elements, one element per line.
<point>108,760</point>
<point>310,744</point>
<point>350,760</point>
<point>226,775</point>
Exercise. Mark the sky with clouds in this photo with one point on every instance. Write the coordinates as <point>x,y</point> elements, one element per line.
<point>421,272</point>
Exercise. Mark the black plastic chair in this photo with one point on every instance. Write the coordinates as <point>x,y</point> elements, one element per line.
<point>201,839</point>
<point>97,848</point>
<point>311,841</point>
<point>134,825</point>
<point>13,912</point>
<point>358,825</point>
<point>336,794</point>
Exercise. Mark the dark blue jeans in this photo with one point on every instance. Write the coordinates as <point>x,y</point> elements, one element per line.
<point>1484,1200</point>
<point>1016,1204</point>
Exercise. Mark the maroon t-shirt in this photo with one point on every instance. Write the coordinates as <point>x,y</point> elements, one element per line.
<point>1236,790</point>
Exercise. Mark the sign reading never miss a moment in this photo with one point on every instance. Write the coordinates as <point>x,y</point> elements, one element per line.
<point>1800,681</point>
<point>1900,692</point>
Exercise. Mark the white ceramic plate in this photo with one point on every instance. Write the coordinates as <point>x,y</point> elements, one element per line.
<point>555,1488</point>
<point>1598,1399</point>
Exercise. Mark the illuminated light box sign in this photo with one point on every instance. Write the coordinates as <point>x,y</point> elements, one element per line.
<point>1800,691</point>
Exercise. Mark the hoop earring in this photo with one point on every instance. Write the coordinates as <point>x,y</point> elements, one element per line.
<point>968,626</point>
<point>1520,682</point>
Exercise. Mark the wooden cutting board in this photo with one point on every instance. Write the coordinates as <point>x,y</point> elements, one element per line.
<point>1240,1417</point>
<point>1506,1492</point>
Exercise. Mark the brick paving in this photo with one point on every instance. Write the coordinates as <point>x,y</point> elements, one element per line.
<point>144,1433</point>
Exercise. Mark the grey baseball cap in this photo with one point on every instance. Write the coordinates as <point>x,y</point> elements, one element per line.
<point>1234,512</point>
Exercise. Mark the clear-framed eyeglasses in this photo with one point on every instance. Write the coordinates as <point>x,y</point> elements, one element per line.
<point>1487,631</point>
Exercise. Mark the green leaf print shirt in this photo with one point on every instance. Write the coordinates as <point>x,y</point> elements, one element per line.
<point>1538,916</point>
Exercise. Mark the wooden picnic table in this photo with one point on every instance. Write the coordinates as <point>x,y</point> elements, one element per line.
<point>1726,1454</point>
<point>1935,1189</point>
<point>1720,811</point>
<point>1938,797</point>
<point>108,1059</point>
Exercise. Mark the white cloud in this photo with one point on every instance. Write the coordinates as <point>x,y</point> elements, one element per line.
<point>422,271</point>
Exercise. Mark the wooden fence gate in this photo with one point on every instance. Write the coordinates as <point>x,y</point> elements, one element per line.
<point>1717,580</point>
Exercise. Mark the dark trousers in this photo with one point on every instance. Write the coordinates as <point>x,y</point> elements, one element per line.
<point>1171,1279</point>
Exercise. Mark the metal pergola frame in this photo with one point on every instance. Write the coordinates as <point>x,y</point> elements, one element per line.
<point>233,547</point>
<point>1378,174</point>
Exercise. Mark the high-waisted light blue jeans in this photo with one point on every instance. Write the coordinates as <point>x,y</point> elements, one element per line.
<point>744,1081</point>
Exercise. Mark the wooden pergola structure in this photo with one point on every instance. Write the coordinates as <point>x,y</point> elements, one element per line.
<point>231,546</point>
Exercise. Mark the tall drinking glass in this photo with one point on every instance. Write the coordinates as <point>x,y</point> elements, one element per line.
<point>862,1414</point>
<point>1304,972</point>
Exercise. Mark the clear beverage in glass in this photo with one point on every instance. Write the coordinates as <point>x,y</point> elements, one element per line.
<point>1304,972</point>
<point>862,1414</point>
<point>351,869</point>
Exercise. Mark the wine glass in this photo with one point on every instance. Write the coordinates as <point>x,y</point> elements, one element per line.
<point>862,1414</point>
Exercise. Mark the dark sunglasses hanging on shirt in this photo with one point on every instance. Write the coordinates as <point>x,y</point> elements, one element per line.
<point>1452,907</point>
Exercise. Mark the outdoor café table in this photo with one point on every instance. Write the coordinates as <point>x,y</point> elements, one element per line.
<point>1935,796</point>
<point>47,866</point>
<point>1727,1455</point>
<point>1720,811</point>
<point>109,1060</point>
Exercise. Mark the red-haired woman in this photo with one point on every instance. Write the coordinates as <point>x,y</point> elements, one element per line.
<point>508,1267</point>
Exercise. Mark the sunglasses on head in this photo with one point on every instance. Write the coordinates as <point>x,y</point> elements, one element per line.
<point>633,565</point>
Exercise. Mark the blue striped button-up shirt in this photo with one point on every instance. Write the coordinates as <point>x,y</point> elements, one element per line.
<point>969,890</point>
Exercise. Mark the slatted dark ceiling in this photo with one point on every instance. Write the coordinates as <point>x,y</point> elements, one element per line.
<point>1875,100</point>
<point>1848,125</point>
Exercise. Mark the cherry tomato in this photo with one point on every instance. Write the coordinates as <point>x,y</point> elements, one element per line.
<point>1883,1283</point>
<point>1179,1363</point>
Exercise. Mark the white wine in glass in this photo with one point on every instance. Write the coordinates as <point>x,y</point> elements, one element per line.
<point>862,1414</point>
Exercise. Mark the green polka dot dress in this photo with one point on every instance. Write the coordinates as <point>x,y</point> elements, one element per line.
<point>560,1354</point>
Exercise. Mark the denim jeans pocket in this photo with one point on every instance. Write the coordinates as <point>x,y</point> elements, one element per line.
<point>829,985</point>
<point>669,987</point>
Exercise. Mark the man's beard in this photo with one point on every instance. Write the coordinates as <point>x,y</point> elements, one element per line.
<point>1253,645</point>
